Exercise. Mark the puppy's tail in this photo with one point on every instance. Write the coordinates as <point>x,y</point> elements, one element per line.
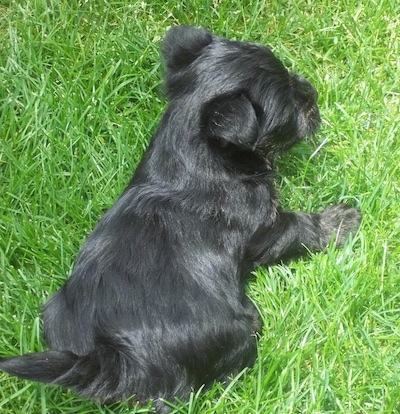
<point>104,375</point>
<point>43,366</point>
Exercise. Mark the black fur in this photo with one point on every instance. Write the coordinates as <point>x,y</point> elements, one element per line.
<point>155,305</point>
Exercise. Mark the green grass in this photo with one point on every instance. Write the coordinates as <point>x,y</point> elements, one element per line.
<point>80,91</point>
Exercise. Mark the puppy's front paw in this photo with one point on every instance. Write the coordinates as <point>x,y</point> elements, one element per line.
<point>339,221</point>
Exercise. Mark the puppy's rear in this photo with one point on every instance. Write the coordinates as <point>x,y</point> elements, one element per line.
<point>156,330</point>
<point>155,305</point>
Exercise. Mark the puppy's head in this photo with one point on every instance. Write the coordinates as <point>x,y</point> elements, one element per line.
<point>244,94</point>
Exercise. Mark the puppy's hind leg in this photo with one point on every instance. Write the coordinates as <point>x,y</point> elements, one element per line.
<point>252,314</point>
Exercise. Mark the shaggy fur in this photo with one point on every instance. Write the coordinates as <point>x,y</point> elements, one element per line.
<point>155,306</point>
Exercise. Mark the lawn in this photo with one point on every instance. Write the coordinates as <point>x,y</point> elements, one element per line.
<point>81,94</point>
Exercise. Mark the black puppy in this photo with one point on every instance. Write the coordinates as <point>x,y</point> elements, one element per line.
<point>155,306</point>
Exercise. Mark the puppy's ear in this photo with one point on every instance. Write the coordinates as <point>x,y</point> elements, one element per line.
<point>231,120</point>
<point>183,44</point>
